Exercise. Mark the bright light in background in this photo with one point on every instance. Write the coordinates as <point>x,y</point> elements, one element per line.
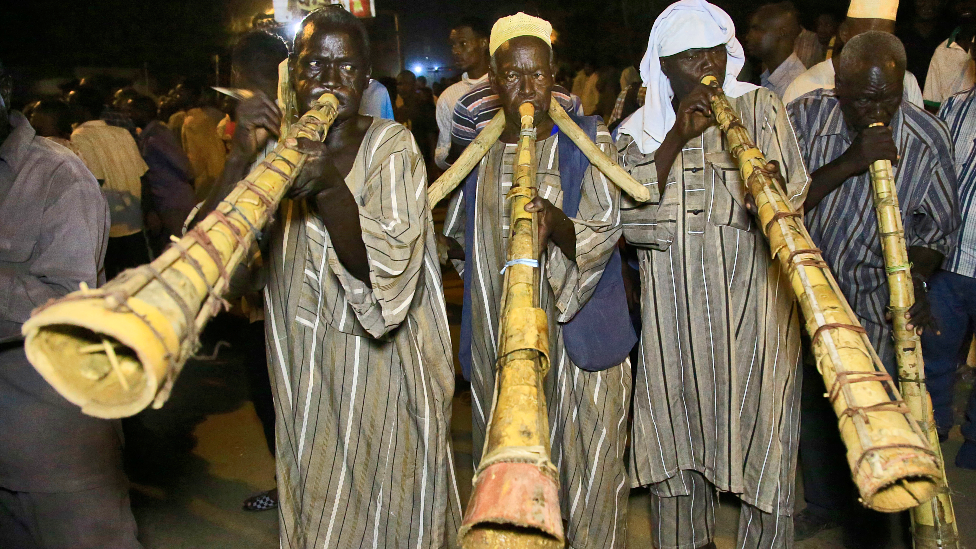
<point>295,27</point>
<point>417,69</point>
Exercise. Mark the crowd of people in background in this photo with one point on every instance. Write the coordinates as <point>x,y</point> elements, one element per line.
<point>163,159</point>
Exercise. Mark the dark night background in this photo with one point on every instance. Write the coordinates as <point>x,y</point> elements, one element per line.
<point>172,38</point>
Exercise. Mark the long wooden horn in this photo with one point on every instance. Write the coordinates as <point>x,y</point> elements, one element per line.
<point>892,464</point>
<point>115,350</point>
<point>933,522</point>
<point>515,501</point>
<point>598,158</point>
<point>473,153</point>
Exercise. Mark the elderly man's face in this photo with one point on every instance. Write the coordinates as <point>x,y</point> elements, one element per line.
<point>523,72</point>
<point>686,69</point>
<point>870,95</point>
<point>331,60</point>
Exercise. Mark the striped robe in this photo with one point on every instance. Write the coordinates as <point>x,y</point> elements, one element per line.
<point>363,378</point>
<point>587,410</point>
<point>927,196</point>
<point>716,390</point>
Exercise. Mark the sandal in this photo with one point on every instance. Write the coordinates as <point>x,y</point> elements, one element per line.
<point>265,501</point>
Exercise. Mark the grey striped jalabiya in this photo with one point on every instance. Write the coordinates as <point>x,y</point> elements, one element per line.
<point>683,517</point>
<point>363,377</point>
<point>587,410</point>
<point>844,225</point>
<point>959,113</point>
<point>717,388</point>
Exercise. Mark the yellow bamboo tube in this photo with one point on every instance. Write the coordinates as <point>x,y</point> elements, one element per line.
<point>891,461</point>
<point>934,521</point>
<point>515,502</point>
<point>149,317</point>
<point>598,158</point>
<point>473,153</point>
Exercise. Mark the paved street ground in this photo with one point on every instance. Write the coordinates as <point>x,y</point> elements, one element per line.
<point>193,462</point>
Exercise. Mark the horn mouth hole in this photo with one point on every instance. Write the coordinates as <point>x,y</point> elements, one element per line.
<point>79,364</point>
<point>907,492</point>
<point>490,534</point>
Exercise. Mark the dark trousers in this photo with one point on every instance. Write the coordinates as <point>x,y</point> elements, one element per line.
<point>98,518</point>
<point>259,380</point>
<point>125,252</point>
<point>827,485</point>
<point>953,300</point>
<point>828,489</point>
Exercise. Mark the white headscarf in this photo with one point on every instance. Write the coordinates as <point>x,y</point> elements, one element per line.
<point>682,26</point>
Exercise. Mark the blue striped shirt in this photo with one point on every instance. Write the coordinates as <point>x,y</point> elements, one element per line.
<point>959,113</point>
<point>845,226</point>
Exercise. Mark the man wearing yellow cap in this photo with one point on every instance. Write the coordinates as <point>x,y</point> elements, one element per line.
<point>587,399</point>
<point>716,390</point>
<point>862,16</point>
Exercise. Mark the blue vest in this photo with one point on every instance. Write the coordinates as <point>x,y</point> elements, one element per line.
<point>601,334</point>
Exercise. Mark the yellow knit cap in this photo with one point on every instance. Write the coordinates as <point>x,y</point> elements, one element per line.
<point>519,24</point>
<point>873,9</point>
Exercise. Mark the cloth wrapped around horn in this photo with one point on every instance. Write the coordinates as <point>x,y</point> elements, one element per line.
<point>116,349</point>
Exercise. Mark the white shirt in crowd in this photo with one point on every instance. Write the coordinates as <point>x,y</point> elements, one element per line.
<point>784,75</point>
<point>951,71</point>
<point>822,75</point>
<point>445,113</point>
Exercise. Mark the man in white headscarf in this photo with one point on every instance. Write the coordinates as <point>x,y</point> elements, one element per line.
<point>716,392</point>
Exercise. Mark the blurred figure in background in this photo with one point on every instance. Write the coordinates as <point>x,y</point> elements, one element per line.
<point>469,46</point>
<point>952,68</point>
<point>773,30</point>
<point>51,118</point>
<point>376,101</point>
<point>203,145</point>
<point>168,195</point>
<point>828,23</point>
<point>807,45</point>
<point>415,110</point>
<point>922,33</point>
<point>862,16</point>
<point>113,157</point>
<point>585,87</point>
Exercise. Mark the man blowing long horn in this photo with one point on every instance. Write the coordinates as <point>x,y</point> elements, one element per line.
<point>359,345</point>
<point>716,404</point>
<point>587,409</point>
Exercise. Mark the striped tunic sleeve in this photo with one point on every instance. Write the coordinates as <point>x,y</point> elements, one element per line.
<point>454,223</point>
<point>650,224</point>
<point>392,213</point>
<point>936,220</point>
<point>597,225</point>
<point>778,141</point>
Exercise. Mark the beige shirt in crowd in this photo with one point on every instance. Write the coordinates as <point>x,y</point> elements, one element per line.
<point>445,114</point>
<point>822,75</point>
<point>113,157</point>
<point>204,147</point>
